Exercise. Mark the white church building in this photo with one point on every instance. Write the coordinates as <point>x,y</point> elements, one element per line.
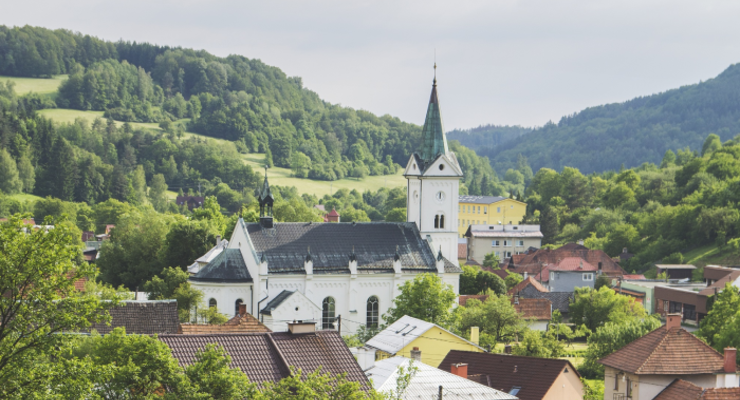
<point>320,271</point>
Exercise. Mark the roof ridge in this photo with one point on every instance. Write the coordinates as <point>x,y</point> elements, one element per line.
<point>653,350</point>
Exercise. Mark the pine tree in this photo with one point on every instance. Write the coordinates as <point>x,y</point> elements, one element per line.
<point>10,183</point>
<point>26,173</point>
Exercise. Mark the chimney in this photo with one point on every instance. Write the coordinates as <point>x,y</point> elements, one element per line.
<point>672,321</point>
<point>460,369</point>
<point>580,241</point>
<point>416,354</point>
<point>474,334</point>
<point>301,327</point>
<point>507,349</point>
<point>218,240</point>
<point>730,360</point>
<point>242,310</point>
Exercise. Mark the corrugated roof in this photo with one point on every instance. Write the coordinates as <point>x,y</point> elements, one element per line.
<point>228,266</point>
<point>402,332</point>
<point>260,355</point>
<point>534,376</point>
<point>426,381</point>
<point>374,244</point>
<point>666,352</point>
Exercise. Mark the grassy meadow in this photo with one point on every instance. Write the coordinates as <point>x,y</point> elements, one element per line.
<point>36,85</point>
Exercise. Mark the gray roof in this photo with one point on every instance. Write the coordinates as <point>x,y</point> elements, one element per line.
<point>274,303</point>
<point>481,199</point>
<point>228,266</point>
<point>374,244</point>
<point>560,300</point>
<point>143,317</point>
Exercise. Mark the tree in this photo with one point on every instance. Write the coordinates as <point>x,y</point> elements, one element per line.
<point>158,192</point>
<point>211,374</point>
<point>26,173</point>
<point>512,279</point>
<point>594,308</point>
<point>669,159</point>
<point>488,281</point>
<point>138,181</point>
<point>40,302</point>
<point>711,144</point>
<point>9,180</point>
<point>496,317</point>
<point>468,284</point>
<point>425,297</point>
<point>539,344</point>
<point>173,284</point>
<point>186,241</point>
<point>491,260</point>
<point>721,317</point>
<point>315,385</point>
<point>611,337</point>
<point>396,215</point>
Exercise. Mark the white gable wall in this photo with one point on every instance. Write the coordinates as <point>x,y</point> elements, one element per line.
<point>226,295</point>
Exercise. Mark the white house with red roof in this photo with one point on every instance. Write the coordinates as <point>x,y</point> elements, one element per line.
<point>570,273</point>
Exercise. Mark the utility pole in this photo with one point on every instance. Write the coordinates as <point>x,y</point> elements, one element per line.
<point>440,392</point>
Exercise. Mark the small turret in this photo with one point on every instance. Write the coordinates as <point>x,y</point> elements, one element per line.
<point>266,201</point>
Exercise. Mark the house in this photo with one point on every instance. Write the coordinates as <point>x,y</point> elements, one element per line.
<point>332,216</point>
<point>530,288</point>
<point>570,273</point>
<point>502,240</point>
<point>643,368</point>
<point>413,338</point>
<point>537,312</point>
<point>713,273</point>
<point>269,356</point>
<point>488,210</point>
<point>426,381</point>
<point>528,378</point>
<point>191,202</point>
<point>292,305</point>
<point>243,322</point>
<point>534,261</point>
<point>680,389</point>
<point>691,299</point>
<point>676,271</point>
<point>203,260</point>
<point>352,270</point>
<point>142,317</point>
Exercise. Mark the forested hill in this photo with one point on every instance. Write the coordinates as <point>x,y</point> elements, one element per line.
<point>487,137</point>
<point>631,133</point>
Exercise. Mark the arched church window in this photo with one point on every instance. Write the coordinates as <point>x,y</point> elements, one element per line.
<point>212,303</point>
<point>372,312</point>
<point>237,304</point>
<point>436,222</point>
<point>441,222</point>
<point>328,311</point>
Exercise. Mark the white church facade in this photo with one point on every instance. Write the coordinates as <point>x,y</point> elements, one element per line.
<point>320,271</point>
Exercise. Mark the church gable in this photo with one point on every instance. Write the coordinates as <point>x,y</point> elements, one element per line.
<point>414,166</point>
<point>444,166</point>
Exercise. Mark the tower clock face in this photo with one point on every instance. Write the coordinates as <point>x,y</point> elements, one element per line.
<point>440,196</point>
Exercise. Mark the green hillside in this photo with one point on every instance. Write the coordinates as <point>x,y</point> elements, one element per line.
<point>640,130</point>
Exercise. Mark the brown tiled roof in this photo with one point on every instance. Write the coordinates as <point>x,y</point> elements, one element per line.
<point>266,357</point>
<point>531,263</point>
<point>502,273</point>
<point>529,281</point>
<point>634,276</point>
<point>239,324</point>
<point>533,375</point>
<point>572,264</point>
<point>462,251</point>
<point>666,352</point>
<point>80,284</point>
<point>463,299</point>
<point>680,389</point>
<point>142,317</point>
<point>540,309</point>
<point>720,284</point>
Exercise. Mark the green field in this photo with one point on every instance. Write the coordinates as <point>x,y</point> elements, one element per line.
<point>24,197</point>
<point>711,254</point>
<point>37,85</point>
<point>281,176</point>
<point>67,116</point>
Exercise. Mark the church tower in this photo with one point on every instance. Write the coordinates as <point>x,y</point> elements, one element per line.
<point>433,175</point>
<point>266,200</point>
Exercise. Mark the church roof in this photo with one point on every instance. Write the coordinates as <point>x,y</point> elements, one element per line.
<point>433,139</point>
<point>274,303</point>
<point>374,244</point>
<point>228,266</point>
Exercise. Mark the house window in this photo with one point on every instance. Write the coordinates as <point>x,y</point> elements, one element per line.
<point>478,209</point>
<point>508,254</point>
<point>327,313</point>
<point>485,210</point>
<point>498,209</point>
<point>507,243</point>
<point>372,312</point>
<point>520,242</point>
<point>436,222</point>
<point>629,387</point>
<point>588,277</point>
<point>675,307</point>
<point>498,254</point>
<point>459,208</point>
<point>468,209</point>
<point>616,382</point>
<point>441,222</point>
<point>552,276</point>
<point>237,304</point>
<point>495,243</point>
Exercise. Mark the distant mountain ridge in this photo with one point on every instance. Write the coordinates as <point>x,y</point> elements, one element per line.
<point>639,130</point>
<point>487,137</point>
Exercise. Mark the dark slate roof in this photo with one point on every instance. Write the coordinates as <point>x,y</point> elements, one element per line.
<point>433,139</point>
<point>226,267</point>
<point>535,376</point>
<point>560,300</point>
<point>266,357</point>
<point>374,245</point>
<point>142,317</point>
<point>274,303</point>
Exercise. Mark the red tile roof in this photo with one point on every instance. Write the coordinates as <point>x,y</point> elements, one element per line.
<point>634,277</point>
<point>572,264</point>
<point>544,275</point>
<point>266,357</point>
<point>463,299</point>
<point>502,273</point>
<point>533,375</point>
<point>462,251</point>
<point>333,213</point>
<point>539,309</point>
<point>239,324</point>
<point>527,282</point>
<point>532,262</point>
<point>680,389</point>
<point>666,352</point>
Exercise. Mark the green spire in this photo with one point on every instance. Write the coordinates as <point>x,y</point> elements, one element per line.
<point>433,139</point>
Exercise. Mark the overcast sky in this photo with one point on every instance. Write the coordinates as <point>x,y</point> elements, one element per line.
<point>499,61</point>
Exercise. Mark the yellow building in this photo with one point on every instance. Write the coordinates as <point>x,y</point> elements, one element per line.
<point>488,210</point>
<point>413,338</point>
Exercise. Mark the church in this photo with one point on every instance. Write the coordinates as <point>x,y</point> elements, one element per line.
<point>285,271</point>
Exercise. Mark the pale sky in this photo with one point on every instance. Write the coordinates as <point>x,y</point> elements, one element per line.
<point>499,61</point>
